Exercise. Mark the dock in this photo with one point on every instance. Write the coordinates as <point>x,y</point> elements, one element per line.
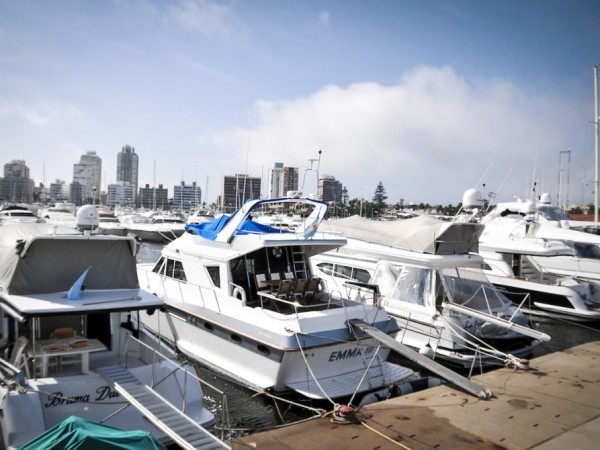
<point>553,405</point>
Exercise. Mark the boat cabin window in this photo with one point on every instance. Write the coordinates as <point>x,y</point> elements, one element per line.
<point>326,268</point>
<point>471,288</point>
<point>585,250</point>
<point>345,272</point>
<point>170,268</point>
<point>214,274</point>
<point>403,283</point>
<point>158,265</point>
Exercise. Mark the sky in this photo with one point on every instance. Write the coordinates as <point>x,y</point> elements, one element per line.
<point>428,97</point>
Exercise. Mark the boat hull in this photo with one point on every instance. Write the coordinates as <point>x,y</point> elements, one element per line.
<point>46,402</point>
<point>279,362</point>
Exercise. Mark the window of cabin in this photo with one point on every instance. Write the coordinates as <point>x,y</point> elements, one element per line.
<point>178,272</point>
<point>170,267</point>
<point>343,271</point>
<point>361,275</point>
<point>214,274</point>
<point>157,268</point>
<point>326,268</point>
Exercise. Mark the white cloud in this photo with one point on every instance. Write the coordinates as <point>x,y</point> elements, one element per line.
<point>210,18</point>
<point>427,138</point>
<point>324,18</point>
<point>41,112</point>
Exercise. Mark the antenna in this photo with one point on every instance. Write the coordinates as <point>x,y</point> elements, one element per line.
<point>312,169</point>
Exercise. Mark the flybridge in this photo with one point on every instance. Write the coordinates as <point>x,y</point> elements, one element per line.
<point>225,228</point>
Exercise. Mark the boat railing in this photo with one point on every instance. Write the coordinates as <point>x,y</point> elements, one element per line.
<point>302,304</point>
<point>179,366</point>
<point>189,293</point>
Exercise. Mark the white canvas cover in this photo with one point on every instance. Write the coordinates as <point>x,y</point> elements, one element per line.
<point>423,234</point>
<point>42,258</point>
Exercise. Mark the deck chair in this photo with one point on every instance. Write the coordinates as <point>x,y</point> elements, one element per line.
<point>288,275</point>
<point>18,353</point>
<point>275,276</point>
<point>299,288</point>
<point>260,280</point>
<point>312,286</point>
<point>18,356</point>
<point>285,289</point>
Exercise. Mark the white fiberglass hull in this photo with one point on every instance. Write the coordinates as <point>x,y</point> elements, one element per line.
<point>547,300</point>
<point>263,359</point>
<point>45,402</point>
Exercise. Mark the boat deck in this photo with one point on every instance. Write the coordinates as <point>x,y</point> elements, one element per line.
<point>554,405</point>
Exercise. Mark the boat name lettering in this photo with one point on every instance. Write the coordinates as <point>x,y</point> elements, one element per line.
<point>58,398</point>
<point>348,353</point>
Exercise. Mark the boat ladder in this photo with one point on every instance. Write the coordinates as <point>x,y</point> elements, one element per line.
<point>299,262</point>
<point>183,430</point>
<point>444,372</point>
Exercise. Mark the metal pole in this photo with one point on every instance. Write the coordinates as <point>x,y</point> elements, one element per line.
<point>596,143</point>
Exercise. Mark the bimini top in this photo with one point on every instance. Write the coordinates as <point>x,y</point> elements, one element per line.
<point>225,228</point>
<point>46,269</point>
<point>422,234</point>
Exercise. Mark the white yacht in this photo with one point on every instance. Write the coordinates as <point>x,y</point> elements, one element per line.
<point>109,223</point>
<point>153,229</point>
<point>424,273</point>
<point>549,270</point>
<point>70,345</point>
<point>60,213</point>
<point>12,213</point>
<point>241,298</point>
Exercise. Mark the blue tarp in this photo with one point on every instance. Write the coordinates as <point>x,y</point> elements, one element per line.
<point>76,433</point>
<point>210,230</point>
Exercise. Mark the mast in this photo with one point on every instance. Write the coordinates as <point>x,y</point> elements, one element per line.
<point>596,186</point>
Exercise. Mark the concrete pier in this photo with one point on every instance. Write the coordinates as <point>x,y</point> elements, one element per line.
<point>554,405</point>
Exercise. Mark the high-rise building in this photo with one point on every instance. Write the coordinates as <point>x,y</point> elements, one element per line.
<point>238,189</point>
<point>120,194</point>
<point>154,197</point>
<point>127,167</point>
<point>88,173</point>
<point>329,189</point>
<point>282,180</point>
<point>186,197</point>
<point>16,186</point>
<point>59,191</point>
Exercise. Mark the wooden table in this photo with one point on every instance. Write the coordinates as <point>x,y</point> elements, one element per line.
<point>46,348</point>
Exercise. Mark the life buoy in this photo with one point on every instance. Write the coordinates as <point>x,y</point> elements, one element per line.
<point>277,252</point>
<point>321,287</point>
<point>240,294</point>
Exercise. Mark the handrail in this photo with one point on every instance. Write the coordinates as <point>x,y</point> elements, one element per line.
<point>179,367</point>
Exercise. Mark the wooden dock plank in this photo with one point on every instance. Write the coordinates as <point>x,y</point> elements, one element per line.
<point>554,405</point>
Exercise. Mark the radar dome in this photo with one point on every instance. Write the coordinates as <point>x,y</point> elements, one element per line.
<point>472,199</point>
<point>546,198</point>
<point>528,207</point>
<point>87,218</point>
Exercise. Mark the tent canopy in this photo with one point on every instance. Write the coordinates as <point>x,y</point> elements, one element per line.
<point>76,433</point>
<point>424,234</point>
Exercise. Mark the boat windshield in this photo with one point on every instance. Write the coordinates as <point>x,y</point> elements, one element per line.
<point>587,250</point>
<point>398,283</point>
<point>471,288</point>
<point>552,213</point>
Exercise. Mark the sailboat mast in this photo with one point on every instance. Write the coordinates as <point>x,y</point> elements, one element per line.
<point>596,185</point>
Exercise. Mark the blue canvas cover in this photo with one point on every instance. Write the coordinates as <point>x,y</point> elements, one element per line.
<point>76,433</point>
<point>210,230</point>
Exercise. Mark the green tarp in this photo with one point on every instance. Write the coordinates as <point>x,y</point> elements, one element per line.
<point>75,433</point>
